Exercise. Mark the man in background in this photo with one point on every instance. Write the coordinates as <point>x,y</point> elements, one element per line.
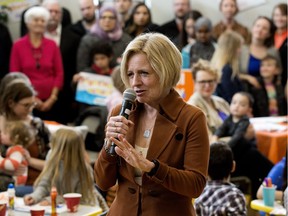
<point>123,8</point>
<point>88,10</point>
<point>173,28</point>
<point>68,43</point>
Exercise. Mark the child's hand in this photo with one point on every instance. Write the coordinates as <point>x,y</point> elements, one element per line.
<point>77,77</point>
<point>254,82</point>
<point>20,170</point>
<point>28,200</point>
<point>44,203</point>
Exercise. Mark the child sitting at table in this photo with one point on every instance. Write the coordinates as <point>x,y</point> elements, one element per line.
<point>67,170</point>
<point>220,197</point>
<point>270,98</point>
<point>19,135</point>
<point>250,162</point>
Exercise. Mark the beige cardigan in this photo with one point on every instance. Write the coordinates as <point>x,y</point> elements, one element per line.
<point>213,119</point>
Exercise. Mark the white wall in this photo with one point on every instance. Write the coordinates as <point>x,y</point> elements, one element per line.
<point>210,8</point>
<point>162,12</point>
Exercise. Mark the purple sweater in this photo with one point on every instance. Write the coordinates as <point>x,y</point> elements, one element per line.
<point>48,75</point>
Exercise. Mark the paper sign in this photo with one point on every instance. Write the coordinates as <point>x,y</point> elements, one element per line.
<point>185,86</point>
<point>93,89</point>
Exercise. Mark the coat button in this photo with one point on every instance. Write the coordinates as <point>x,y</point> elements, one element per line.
<point>131,190</point>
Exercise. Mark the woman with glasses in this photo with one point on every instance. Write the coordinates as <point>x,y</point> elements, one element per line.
<point>40,59</point>
<point>215,108</point>
<point>108,28</point>
<point>16,104</point>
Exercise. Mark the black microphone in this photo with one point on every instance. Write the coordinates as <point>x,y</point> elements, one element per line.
<point>129,97</point>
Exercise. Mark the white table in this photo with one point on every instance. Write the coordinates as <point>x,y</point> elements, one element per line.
<point>83,210</point>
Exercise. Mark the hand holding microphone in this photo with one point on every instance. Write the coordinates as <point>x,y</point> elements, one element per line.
<point>129,97</point>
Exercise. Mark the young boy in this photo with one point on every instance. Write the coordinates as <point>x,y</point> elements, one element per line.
<point>250,162</point>
<point>220,197</point>
<point>270,98</point>
<point>100,60</point>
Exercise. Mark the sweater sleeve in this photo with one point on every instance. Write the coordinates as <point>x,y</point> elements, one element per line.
<point>58,69</point>
<point>239,132</point>
<point>14,59</point>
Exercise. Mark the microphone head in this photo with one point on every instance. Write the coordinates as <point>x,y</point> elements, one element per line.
<point>129,94</point>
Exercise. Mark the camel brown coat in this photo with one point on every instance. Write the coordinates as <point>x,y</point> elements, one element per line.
<point>180,143</point>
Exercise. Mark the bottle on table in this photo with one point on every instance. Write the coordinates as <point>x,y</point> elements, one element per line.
<point>53,195</point>
<point>11,196</point>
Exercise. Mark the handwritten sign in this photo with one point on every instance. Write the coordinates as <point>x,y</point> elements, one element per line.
<point>93,89</point>
<point>16,7</point>
<point>185,86</point>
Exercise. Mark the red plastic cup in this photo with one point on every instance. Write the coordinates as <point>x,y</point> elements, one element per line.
<point>3,207</point>
<point>72,201</point>
<point>37,211</point>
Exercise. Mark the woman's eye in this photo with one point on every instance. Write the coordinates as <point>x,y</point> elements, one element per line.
<point>144,73</point>
<point>129,74</point>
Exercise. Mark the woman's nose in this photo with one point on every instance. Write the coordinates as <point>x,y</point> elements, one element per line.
<point>136,80</point>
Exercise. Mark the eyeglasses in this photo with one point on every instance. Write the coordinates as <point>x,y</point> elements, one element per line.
<point>108,17</point>
<point>209,82</point>
<point>28,105</point>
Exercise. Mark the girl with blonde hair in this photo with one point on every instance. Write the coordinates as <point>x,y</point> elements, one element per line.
<point>226,61</point>
<point>67,170</point>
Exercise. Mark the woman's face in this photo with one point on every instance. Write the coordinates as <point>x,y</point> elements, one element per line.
<point>107,21</point>
<point>189,27</point>
<point>141,16</point>
<point>37,25</point>
<point>261,29</point>
<point>228,8</point>
<point>23,108</point>
<point>279,19</point>
<point>205,84</point>
<point>144,80</point>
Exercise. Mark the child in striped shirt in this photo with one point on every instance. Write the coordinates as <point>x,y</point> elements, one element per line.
<point>19,135</point>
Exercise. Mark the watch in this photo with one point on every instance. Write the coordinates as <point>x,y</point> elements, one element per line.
<point>154,169</point>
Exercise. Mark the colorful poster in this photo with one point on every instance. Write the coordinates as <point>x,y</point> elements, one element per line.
<point>14,8</point>
<point>185,86</point>
<point>93,89</point>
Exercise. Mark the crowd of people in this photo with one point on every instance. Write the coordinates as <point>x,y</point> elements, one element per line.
<point>238,73</point>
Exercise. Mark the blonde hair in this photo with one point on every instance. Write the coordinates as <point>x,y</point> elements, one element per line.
<point>203,65</point>
<point>20,133</point>
<point>68,148</point>
<point>162,54</point>
<point>226,52</point>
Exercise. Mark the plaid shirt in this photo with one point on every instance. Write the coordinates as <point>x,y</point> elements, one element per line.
<point>220,198</point>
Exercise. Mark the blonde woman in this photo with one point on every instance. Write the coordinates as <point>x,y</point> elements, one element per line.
<point>226,61</point>
<point>67,169</point>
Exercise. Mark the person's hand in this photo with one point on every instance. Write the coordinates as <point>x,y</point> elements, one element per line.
<point>39,103</point>
<point>47,105</point>
<point>254,82</point>
<point>125,150</point>
<point>117,125</point>
<point>76,78</point>
<point>28,200</point>
<point>44,203</point>
<point>20,170</point>
<point>27,155</point>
